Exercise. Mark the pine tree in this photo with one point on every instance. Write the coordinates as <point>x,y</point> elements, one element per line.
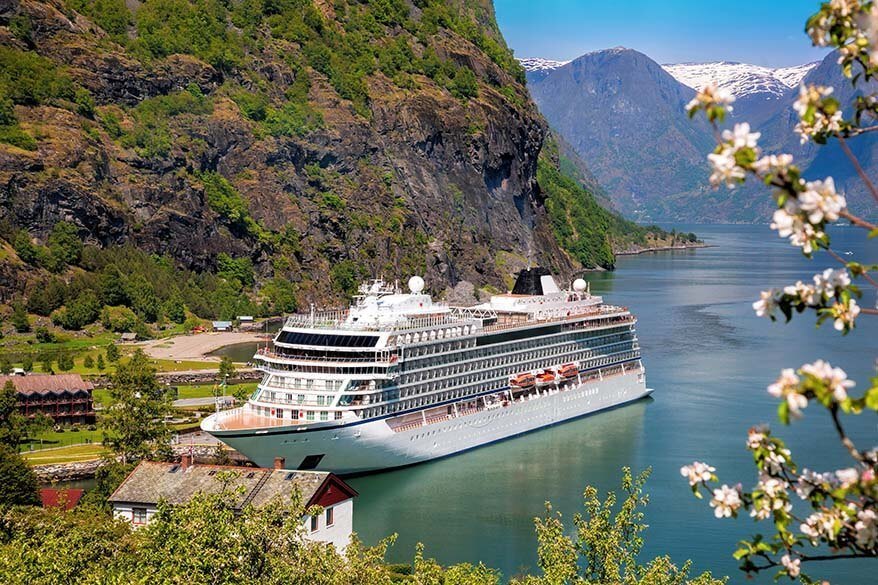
<point>101,364</point>
<point>88,362</point>
<point>112,353</point>
<point>20,320</point>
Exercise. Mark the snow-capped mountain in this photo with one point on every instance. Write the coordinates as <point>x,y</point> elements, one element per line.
<point>538,68</point>
<point>758,90</point>
<point>540,64</point>
<point>740,79</point>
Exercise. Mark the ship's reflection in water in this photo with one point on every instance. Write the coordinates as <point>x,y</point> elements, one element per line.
<point>480,505</point>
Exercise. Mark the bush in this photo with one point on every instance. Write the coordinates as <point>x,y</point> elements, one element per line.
<point>237,269</point>
<point>83,310</point>
<point>111,15</point>
<point>118,319</point>
<point>64,243</point>
<point>195,27</point>
<point>43,335</point>
<point>29,79</point>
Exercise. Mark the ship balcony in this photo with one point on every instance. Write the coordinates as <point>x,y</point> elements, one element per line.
<point>268,355</point>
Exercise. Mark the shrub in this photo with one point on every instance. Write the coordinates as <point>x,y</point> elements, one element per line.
<point>64,243</point>
<point>118,319</point>
<point>27,78</point>
<point>111,15</point>
<point>195,27</point>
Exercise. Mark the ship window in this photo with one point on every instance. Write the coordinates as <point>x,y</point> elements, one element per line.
<point>299,338</point>
<point>310,415</point>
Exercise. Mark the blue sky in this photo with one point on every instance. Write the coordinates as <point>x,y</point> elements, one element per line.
<point>762,32</point>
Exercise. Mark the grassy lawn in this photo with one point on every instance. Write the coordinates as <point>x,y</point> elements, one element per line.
<point>52,439</point>
<point>65,455</point>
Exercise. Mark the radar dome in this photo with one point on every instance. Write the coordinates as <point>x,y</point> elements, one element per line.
<point>579,285</point>
<point>416,284</point>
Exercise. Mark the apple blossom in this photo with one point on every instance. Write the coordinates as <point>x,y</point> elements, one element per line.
<point>697,472</point>
<point>726,501</point>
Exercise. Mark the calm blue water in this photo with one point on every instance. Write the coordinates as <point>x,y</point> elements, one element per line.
<point>709,359</point>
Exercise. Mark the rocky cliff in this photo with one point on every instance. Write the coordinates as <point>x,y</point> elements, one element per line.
<point>323,141</point>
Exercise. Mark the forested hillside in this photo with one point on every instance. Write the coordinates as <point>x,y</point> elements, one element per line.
<point>220,157</point>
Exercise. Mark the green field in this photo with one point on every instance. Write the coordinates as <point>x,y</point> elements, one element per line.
<point>65,455</point>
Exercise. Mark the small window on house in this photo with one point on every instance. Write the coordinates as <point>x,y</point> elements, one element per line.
<point>212,472</point>
<point>329,516</point>
<point>290,476</point>
<point>138,515</point>
<point>251,475</point>
<point>174,469</point>
<point>315,521</point>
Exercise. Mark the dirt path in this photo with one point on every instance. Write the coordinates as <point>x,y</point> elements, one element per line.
<point>195,347</point>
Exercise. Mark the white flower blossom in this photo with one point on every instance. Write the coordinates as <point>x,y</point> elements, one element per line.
<point>725,169</point>
<point>711,96</point>
<point>792,566</point>
<point>767,303</point>
<point>755,438</point>
<point>809,481</point>
<point>821,525</point>
<point>847,477</point>
<point>867,529</point>
<point>845,314</point>
<point>868,23</point>
<point>820,201</point>
<point>806,293</point>
<point>741,137</point>
<point>726,501</point>
<point>774,164</point>
<point>775,460</point>
<point>831,280</point>
<point>697,472</point>
<point>835,379</point>
<point>808,105</point>
<point>789,223</point>
<point>787,387</point>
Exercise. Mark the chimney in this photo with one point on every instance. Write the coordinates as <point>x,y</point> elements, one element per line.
<point>279,462</point>
<point>185,460</point>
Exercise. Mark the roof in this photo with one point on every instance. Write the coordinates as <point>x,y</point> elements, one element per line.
<point>45,383</point>
<point>151,482</point>
<point>222,324</point>
<point>129,335</point>
<point>66,498</point>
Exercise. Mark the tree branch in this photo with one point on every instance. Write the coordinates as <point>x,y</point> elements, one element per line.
<point>859,169</point>
<point>845,440</point>
<point>865,275</point>
<point>857,221</point>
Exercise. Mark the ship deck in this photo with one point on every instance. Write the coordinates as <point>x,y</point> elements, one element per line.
<point>237,420</point>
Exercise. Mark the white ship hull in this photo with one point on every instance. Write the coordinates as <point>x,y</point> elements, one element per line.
<point>370,446</point>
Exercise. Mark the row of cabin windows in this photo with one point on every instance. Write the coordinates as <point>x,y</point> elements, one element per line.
<point>295,383</point>
<point>609,344</point>
<point>283,398</point>
<point>429,395</point>
<point>523,345</point>
<point>297,414</point>
<point>325,369</point>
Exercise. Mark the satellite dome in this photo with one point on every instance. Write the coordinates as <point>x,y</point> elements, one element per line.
<point>579,285</point>
<point>416,284</point>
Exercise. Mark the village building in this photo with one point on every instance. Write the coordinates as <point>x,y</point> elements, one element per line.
<point>136,499</point>
<point>66,398</point>
<point>222,325</point>
<point>64,498</point>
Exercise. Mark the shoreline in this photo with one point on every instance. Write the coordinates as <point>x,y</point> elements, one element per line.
<point>665,249</point>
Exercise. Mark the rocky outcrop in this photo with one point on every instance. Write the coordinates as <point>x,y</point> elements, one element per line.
<point>422,182</point>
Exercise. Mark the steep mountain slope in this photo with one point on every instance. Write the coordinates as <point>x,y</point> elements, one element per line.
<point>537,68</point>
<point>829,160</point>
<point>757,90</point>
<point>321,142</point>
<point>624,115</point>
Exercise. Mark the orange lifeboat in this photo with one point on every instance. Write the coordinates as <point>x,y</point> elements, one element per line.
<point>546,378</point>
<point>568,371</point>
<point>522,380</point>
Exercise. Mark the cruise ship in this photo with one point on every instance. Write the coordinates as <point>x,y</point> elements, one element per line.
<point>398,379</point>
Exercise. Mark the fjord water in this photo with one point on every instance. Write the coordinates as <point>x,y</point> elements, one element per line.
<point>709,359</point>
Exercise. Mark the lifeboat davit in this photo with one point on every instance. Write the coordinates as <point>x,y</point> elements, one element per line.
<point>546,378</point>
<point>522,381</point>
<point>568,371</point>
